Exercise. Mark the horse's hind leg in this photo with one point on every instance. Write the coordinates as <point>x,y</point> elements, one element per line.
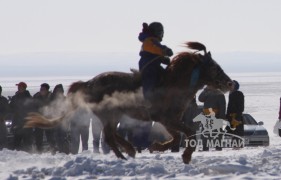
<point>175,141</point>
<point>110,139</point>
<point>128,147</point>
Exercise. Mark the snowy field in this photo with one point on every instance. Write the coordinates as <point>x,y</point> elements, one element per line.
<point>262,93</point>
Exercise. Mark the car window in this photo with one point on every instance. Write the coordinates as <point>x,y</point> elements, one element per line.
<point>249,120</point>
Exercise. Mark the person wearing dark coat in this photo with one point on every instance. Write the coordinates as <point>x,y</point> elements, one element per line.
<point>20,106</point>
<point>279,117</point>
<point>41,99</point>
<point>190,113</point>
<point>235,110</point>
<point>213,100</point>
<point>277,126</point>
<point>4,110</point>
<point>61,132</point>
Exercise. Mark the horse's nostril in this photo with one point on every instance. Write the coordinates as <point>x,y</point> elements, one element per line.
<point>229,84</point>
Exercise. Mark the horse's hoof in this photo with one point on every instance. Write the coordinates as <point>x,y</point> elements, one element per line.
<point>132,154</point>
<point>155,147</point>
<point>123,158</point>
<point>150,149</point>
<point>186,156</point>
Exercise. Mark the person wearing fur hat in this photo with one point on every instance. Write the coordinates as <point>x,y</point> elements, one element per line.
<point>152,53</point>
<point>235,110</point>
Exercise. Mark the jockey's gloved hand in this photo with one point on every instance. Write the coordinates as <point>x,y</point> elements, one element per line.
<point>165,60</point>
<point>168,51</point>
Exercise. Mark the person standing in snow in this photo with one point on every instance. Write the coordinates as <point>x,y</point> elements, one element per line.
<point>20,106</point>
<point>4,109</point>
<point>280,111</point>
<point>79,127</point>
<point>41,99</point>
<point>214,101</point>
<point>234,113</point>
<point>98,136</point>
<point>277,126</point>
<point>61,132</point>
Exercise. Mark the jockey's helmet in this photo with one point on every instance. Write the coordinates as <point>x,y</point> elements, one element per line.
<point>156,29</point>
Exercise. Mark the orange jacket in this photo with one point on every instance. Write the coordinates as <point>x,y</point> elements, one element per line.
<point>152,45</point>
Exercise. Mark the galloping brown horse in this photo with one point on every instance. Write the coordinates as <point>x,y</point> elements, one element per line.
<point>187,73</point>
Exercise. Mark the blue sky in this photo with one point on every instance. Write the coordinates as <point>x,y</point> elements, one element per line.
<point>91,26</point>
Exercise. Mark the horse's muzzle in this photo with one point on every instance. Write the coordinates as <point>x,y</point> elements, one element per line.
<point>230,83</point>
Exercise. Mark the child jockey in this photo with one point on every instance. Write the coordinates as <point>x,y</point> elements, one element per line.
<point>152,53</point>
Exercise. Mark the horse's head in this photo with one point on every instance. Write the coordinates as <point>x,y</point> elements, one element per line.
<point>210,72</point>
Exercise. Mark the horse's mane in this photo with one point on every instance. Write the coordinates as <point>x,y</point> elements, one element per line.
<point>184,62</point>
<point>196,46</point>
<point>184,58</point>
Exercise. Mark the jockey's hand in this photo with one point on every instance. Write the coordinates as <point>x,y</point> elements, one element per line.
<point>165,60</point>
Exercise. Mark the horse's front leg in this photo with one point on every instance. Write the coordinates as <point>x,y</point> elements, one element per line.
<point>110,139</point>
<point>128,147</point>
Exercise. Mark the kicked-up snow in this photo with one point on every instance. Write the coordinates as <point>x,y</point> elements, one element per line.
<point>251,163</point>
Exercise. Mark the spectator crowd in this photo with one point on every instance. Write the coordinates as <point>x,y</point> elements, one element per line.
<point>64,138</point>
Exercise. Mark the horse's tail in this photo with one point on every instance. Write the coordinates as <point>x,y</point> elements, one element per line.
<point>38,120</point>
<point>197,46</point>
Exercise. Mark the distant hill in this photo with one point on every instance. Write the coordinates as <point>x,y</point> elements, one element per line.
<point>73,64</point>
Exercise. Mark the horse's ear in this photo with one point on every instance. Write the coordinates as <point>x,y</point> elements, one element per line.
<point>209,54</point>
<point>206,59</point>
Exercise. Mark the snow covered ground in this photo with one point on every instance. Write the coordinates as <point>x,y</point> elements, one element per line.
<point>262,93</point>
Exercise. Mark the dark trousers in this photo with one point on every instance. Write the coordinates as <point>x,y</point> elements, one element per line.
<point>23,139</point>
<point>98,137</point>
<point>75,132</point>
<point>236,141</point>
<point>3,135</point>
<point>62,140</point>
<point>39,133</point>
